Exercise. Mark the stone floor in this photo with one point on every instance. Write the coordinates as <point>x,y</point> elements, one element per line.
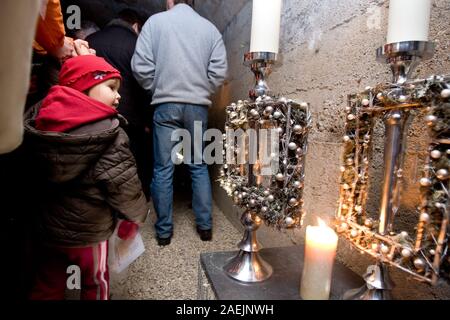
<point>171,272</point>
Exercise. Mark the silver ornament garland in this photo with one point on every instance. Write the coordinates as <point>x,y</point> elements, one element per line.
<point>276,199</point>
<point>426,255</point>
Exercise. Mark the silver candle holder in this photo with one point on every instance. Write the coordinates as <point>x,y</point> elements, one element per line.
<point>403,57</point>
<point>268,180</point>
<point>247,265</point>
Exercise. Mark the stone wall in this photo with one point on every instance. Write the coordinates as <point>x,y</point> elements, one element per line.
<point>327,51</point>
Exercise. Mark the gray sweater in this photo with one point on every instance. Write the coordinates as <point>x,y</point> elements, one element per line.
<point>180,57</point>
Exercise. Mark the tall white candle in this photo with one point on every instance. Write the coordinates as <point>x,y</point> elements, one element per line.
<point>265,26</point>
<point>320,251</point>
<point>409,20</point>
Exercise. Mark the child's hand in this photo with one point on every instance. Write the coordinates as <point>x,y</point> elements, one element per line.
<point>127,230</point>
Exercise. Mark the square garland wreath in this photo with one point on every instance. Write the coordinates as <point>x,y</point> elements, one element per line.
<point>278,198</point>
<point>426,255</point>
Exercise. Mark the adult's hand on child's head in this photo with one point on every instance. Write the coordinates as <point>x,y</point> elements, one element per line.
<point>66,51</point>
<point>82,48</point>
<point>127,229</point>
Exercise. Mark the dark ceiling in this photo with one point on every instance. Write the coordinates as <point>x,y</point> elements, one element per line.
<point>102,11</point>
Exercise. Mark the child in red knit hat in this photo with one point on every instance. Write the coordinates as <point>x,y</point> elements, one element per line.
<point>86,176</point>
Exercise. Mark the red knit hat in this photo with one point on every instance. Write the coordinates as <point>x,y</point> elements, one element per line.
<point>84,72</point>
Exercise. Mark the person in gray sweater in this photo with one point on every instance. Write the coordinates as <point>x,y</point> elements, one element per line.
<point>181,59</point>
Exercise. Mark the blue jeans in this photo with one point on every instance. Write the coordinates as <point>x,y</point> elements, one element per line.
<point>167,118</point>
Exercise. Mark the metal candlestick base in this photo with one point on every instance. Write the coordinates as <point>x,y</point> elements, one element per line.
<point>247,265</point>
<point>260,63</point>
<point>378,285</point>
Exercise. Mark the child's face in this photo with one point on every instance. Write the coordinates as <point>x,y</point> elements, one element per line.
<point>106,92</point>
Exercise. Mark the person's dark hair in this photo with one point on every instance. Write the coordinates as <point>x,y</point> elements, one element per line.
<point>131,16</point>
<point>188,2</point>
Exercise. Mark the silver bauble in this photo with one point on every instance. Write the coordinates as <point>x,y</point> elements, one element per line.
<point>442,174</point>
<point>424,217</point>
<point>406,253</point>
<point>436,154</point>
<point>445,93</point>
<point>288,221</point>
<point>431,119</point>
<point>292,146</point>
<point>425,182</point>
<point>419,263</point>
<point>268,109</point>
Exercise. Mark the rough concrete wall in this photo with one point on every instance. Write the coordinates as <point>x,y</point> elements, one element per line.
<point>328,51</point>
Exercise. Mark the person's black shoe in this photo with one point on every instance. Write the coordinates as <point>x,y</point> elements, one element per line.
<point>163,241</point>
<point>205,235</point>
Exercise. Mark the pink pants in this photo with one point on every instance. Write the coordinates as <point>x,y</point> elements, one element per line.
<point>52,273</point>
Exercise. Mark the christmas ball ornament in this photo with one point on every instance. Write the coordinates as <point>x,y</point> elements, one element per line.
<point>431,119</point>
<point>365,102</point>
<point>282,100</point>
<point>288,221</point>
<point>266,192</point>
<point>264,209</point>
<point>304,104</point>
<point>268,110</point>
<point>297,128</point>
<point>384,249</point>
<point>445,93</point>
<point>270,198</point>
<point>277,114</point>
<point>254,113</point>
<point>279,177</point>
<point>292,201</point>
<point>424,217</point>
<point>368,222</point>
<point>351,117</point>
<point>419,263</point>
<point>442,174</point>
<point>353,233</point>
<point>297,184</point>
<point>292,146</point>
<point>252,202</point>
<point>402,99</point>
<point>406,253</point>
<point>436,154</point>
<point>425,182</point>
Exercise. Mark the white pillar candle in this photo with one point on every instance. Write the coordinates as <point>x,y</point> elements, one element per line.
<point>409,20</point>
<point>320,251</point>
<point>265,26</point>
